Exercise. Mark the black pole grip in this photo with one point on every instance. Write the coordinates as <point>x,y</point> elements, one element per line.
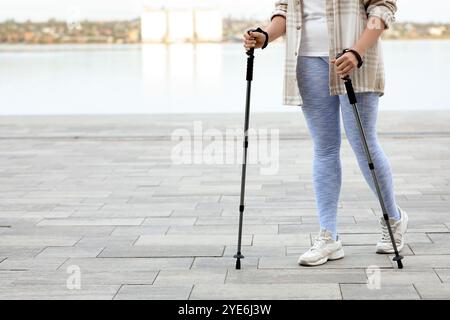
<point>350,91</point>
<point>348,85</point>
<point>251,57</point>
<point>250,61</point>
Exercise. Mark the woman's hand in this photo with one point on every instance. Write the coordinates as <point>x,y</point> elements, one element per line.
<point>348,62</point>
<point>345,64</point>
<point>253,40</point>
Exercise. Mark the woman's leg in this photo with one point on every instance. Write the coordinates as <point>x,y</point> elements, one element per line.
<point>368,110</point>
<point>321,112</point>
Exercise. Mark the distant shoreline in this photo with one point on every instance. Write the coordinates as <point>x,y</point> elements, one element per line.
<point>120,32</point>
<point>4,46</point>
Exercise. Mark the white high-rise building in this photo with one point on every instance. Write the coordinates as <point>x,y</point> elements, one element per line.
<point>153,26</point>
<point>208,25</point>
<point>181,25</point>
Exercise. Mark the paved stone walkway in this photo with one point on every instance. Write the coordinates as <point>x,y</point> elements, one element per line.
<point>101,198</point>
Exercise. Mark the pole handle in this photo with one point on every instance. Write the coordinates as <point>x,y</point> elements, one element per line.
<point>348,85</point>
<point>251,51</point>
<point>251,56</point>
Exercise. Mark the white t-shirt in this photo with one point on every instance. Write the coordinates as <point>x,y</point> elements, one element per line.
<point>314,41</point>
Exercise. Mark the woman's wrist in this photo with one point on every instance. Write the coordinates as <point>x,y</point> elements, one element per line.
<point>360,50</point>
<point>354,56</point>
<point>277,28</point>
<point>266,41</point>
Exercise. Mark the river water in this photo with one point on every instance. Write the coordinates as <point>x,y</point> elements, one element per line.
<point>185,78</point>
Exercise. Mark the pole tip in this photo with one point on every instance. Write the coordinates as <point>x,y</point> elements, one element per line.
<point>398,259</point>
<point>238,264</point>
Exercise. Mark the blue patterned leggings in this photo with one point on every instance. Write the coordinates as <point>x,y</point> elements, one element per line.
<point>322,114</point>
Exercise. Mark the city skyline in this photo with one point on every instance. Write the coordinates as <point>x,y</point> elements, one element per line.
<point>20,10</point>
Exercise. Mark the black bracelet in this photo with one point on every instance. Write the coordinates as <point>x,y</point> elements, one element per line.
<point>266,42</point>
<point>357,55</point>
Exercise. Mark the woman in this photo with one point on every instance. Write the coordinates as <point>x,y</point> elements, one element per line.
<point>316,31</point>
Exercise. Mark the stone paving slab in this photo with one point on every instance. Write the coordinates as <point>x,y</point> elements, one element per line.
<point>106,241</point>
<point>135,231</point>
<point>91,222</point>
<point>427,261</point>
<point>9,219</point>
<point>253,212</point>
<point>37,215</point>
<point>415,227</point>
<point>156,251</point>
<point>191,240</point>
<point>372,239</point>
<point>57,292</point>
<point>188,277</point>
<point>7,277</point>
<point>433,291</point>
<point>138,230</point>
<point>178,221</point>
<point>224,263</point>
<point>266,291</point>
<point>444,274</point>
<point>248,220</point>
<point>43,263</point>
<point>37,240</point>
<point>140,227</point>
<point>196,213</point>
<point>408,276</point>
<point>222,229</point>
<point>150,292</point>
<point>155,206</point>
<point>352,291</point>
<point>430,248</point>
<point>361,261</point>
<point>440,237</point>
<point>121,214</point>
<point>294,276</point>
<point>125,264</point>
<point>257,251</point>
<point>286,239</point>
<point>71,252</point>
<point>343,228</point>
<point>144,125</point>
<point>19,252</point>
<point>87,277</point>
<point>348,250</point>
<point>58,231</point>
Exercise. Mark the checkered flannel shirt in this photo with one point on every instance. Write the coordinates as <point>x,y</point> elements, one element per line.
<point>346,20</point>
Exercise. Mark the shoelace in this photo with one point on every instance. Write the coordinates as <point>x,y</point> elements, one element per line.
<point>318,243</point>
<point>385,232</point>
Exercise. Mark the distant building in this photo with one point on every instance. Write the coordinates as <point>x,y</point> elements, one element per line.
<point>437,31</point>
<point>181,25</point>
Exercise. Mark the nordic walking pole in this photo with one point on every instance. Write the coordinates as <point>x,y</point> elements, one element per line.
<point>250,60</point>
<point>353,101</point>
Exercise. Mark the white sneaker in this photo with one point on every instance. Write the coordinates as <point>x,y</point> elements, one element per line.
<point>398,230</point>
<point>324,249</point>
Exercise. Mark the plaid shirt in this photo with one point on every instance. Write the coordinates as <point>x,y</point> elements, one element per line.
<point>346,20</point>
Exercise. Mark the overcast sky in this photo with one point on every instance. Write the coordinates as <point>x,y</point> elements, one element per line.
<point>409,10</point>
